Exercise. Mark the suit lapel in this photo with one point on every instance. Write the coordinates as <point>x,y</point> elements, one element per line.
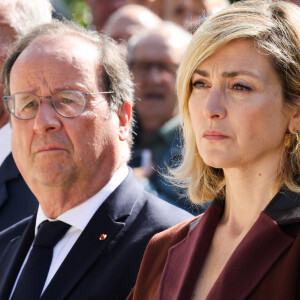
<point>13,258</point>
<point>185,258</point>
<point>251,260</point>
<point>110,219</point>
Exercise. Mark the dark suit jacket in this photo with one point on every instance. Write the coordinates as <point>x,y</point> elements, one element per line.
<point>264,266</point>
<point>96,269</point>
<point>16,200</point>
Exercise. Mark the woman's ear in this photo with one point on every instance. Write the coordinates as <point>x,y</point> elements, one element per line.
<point>294,124</point>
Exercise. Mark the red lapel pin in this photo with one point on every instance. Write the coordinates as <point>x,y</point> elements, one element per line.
<point>102,237</point>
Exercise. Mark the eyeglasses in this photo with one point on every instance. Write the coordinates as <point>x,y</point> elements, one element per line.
<point>67,103</point>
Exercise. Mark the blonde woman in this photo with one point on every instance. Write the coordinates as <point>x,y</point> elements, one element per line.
<point>238,88</point>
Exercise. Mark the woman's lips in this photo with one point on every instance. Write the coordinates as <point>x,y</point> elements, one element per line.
<point>215,135</point>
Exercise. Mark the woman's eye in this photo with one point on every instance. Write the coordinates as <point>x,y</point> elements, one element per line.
<point>241,87</point>
<point>199,84</point>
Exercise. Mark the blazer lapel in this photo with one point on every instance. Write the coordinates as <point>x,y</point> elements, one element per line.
<point>185,258</point>
<point>264,244</point>
<point>110,220</point>
<point>13,258</point>
<point>251,260</point>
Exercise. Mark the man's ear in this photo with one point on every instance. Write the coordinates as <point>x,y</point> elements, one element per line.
<point>294,124</point>
<point>124,114</point>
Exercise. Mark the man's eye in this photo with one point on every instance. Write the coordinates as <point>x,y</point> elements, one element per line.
<point>30,104</point>
<point>67,100</point>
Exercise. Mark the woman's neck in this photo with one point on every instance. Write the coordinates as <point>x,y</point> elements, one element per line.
<point>248,192</point>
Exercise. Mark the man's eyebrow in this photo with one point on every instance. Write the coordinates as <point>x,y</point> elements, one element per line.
<point>228,74</point>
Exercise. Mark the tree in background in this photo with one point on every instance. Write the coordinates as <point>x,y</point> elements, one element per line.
<point>77,10</point>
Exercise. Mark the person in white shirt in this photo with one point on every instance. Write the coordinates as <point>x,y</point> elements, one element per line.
<point>71,117</point>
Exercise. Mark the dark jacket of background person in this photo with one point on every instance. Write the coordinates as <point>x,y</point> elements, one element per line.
<point>264,266</point>
<point>16,199</point>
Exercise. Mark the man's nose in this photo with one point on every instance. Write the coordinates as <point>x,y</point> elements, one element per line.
<point>47,119</point>
<point>154,73</point>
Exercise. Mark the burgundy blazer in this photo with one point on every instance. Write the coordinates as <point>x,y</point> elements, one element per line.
<point>265,265</point>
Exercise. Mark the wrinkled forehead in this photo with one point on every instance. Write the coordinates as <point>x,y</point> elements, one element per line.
<point>69,49</point>
<point>56,63</point>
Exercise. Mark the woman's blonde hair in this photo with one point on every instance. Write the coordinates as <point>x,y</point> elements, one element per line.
<point>274,28</point>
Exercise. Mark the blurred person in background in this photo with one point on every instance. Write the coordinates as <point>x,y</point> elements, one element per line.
<point>180,11</point>
<point>17,17</point>
<point>154,56</point>
<point>102,9</point>
<point>185,13</point>
<point>295,1</point>
<point>157,6</point>
<point>128,21</point>
<point>211,6</point>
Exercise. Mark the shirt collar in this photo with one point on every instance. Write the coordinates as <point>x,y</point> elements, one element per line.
<point>80,215</point>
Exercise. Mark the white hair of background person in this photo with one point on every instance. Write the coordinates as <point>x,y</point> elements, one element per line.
<point>26,14</point>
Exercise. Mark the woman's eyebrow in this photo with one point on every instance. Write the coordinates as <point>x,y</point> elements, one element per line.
<point>228,74</point>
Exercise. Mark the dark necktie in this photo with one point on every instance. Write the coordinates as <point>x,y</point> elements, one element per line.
<point>35,271</point>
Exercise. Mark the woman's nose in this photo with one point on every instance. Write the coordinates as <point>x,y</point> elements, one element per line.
<point>214,104</point>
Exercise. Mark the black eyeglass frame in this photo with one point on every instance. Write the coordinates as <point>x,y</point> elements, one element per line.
<point>84,94</point>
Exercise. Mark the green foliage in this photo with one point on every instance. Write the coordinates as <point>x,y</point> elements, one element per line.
<point>79,11</point>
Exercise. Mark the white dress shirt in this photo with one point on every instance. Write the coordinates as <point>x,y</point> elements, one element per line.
<point>78,217</point>
<point>5,142</point>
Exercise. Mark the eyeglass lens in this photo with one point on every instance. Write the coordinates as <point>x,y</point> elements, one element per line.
<point>66,103</point>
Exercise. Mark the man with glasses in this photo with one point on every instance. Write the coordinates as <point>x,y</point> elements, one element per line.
<point>70,97</point>
<point>154,57</point>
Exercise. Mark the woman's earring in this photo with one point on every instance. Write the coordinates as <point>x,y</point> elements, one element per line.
<point>292,142</point>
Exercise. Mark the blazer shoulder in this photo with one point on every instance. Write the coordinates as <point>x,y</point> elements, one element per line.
<point>172,235</point>
<point>155,256</point>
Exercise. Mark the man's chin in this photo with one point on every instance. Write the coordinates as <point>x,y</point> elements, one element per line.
<point>52,175</point>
